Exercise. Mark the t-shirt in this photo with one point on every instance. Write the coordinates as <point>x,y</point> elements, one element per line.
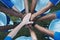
<point>55,24</point>
<point>3,19</point>
<point>7,3</point>
<point>23,38</point>
<point>41,4</point>
<point>54,2</point>
<point>8,38</point>
<point>19,38</point>
<point>19,4</point>
<point>57,36</point>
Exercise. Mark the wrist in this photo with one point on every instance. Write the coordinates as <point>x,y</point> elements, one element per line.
<point>33,23</point>
<point>22,23</point>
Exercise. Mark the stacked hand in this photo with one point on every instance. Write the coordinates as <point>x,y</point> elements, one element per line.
<point>26,19</point>
<point>33,16</point>
<point>15,30</point>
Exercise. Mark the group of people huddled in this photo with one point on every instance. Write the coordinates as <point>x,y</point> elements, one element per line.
<point>38,11</point>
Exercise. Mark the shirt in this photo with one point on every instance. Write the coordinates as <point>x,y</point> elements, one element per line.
<point>19,4</point>
<point>41,4</point>
<point>7,3</point>
<point>57,36</point>
<point>54,2</point>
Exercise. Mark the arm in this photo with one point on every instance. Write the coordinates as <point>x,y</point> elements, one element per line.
<point>15,30</point>
<point>15,9</point>
<point>33,35</point>
<point>2,28</point>
<point>55,35</point>
<point>47,17</point>
<point>33,5</point>
<point>45,31</point>
<point>26,6</point>
<point>10,11</point>
<point>49,5</point>
<point>50,16</point>
<point>9,4</point>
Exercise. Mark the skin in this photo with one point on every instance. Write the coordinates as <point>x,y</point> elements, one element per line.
<point>44,30</point>
<point>11,12</point>
<point>36,26</point>
<point>33,5</point>
<point>49,5</point>
<point>26,6</point>
<point>15,30</point>
<point>50,16</point>
<point>47,17</point>
<point>32,33</point>
<point>25,21</point>
<point>15,9</point>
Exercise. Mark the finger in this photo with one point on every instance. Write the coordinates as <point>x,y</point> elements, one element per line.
<point>31,22</point>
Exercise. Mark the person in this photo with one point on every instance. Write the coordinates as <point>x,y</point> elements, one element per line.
<point>32,37</point>
<point>49,5</point>
<point>9,4</point>
<point>54,35</point>
<point>37,5</point>
<point>10,12</point>
<point>12,4</point>
<point>19,4</point>
<point>25,21</point>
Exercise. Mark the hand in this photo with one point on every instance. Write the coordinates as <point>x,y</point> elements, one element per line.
<point>33,16</point>
<point>26,19</point>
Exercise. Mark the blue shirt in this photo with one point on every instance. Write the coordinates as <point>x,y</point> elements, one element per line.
<point>57,36</point>
<point>19,4</point>
<point>41,4</point>
<point>58,14</point>
<point>8,38</point>
<point>54,2</point>
<point>7,3</point>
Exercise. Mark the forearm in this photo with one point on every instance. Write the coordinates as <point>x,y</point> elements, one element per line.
<point>33,5</point>
<point>26,6</point>
<point>15,9</point>
<point>48,17</point>
<point>15,30</point>
<point>2,28</point>
<point>43,30</point>
<point>49,5</point>
<point>10,11</point>
<point>33,35</point>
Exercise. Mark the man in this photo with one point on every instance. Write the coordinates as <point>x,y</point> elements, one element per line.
<point>9,4</point>
<point>54,35</point>
<point>50,16</point>
<point>13,4</point>
<point>48,6</point>
<point>25,21</point>
<point>19,4</point>
<point>38,5</point>
<point>32,37</point>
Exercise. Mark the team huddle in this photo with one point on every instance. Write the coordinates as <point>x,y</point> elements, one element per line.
<point>38,11</point>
